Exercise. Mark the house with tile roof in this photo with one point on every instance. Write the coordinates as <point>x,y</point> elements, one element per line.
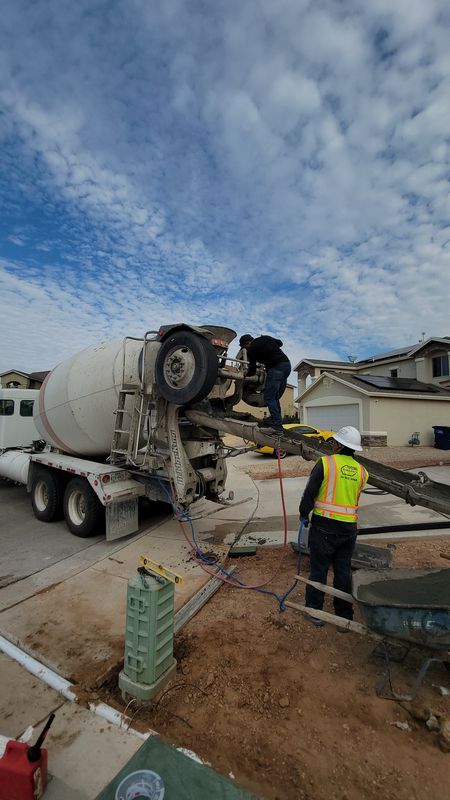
<point>388,397</point>
<point>15,379</point>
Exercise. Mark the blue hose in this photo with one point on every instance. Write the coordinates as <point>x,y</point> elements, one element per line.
<point>299,558</point>
<point>182,514</point>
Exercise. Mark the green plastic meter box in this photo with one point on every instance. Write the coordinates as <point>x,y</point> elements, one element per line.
<point>149,661</point>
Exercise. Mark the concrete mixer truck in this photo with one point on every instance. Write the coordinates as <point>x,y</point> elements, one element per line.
<point>111,428</point>
<point>143,418</point>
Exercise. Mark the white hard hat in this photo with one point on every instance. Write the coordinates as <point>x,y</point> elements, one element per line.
<point>348,436</point>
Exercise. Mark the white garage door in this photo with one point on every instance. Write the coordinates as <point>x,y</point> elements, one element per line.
<point>330,418</point>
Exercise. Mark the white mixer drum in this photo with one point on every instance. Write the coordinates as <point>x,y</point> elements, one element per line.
<point>77,400</point>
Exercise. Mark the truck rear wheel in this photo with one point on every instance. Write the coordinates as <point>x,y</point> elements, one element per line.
<point>186,368</point>
<point>83,511</point>
<point>46,495</point>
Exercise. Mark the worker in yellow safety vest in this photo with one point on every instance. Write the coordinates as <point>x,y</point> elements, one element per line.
<point>332,494</point>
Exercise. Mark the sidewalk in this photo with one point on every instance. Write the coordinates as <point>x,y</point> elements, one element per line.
<point>71,617</point>
<point>84,751</point>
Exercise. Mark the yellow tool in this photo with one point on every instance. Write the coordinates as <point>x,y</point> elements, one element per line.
<point>163,572</point>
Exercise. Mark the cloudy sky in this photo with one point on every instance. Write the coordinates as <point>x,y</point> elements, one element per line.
<point>278,167</point>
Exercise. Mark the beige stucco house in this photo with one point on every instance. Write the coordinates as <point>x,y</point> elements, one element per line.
<point>15,379</point>
<point>388,397</point>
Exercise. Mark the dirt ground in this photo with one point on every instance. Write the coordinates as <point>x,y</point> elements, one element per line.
<point>290,710</point>
<point>400,457</point>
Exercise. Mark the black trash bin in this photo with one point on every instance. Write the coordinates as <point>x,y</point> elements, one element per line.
<point>442,437</point>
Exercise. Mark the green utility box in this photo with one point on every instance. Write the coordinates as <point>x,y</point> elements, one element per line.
<point>149,661</point>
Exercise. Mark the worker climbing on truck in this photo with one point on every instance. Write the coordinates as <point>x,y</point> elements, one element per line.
<point>332,494</point>
<point>124,421</point>
<point>267,350</point>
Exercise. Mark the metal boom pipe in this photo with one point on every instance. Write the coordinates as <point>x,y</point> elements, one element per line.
<point>417,490</point>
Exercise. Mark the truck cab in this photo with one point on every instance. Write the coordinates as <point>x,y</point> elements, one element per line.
<point>17,428</point>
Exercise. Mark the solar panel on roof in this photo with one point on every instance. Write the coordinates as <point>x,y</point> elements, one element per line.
<point>397,384</point>
<point>399,351</point>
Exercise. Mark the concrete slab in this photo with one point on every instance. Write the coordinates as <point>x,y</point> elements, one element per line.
<point>84,751</point>
<point>269,505</point>
<point>266,526</point>
<point>389,510</point>
<point>405,535</point>
<point>49,574</point>
<point>29,546</point>
<point>24,700</point>
<point>438,473</point>
<point>268,538</point>
<point>76,625</point>
<point>374,509</point>
<point>82,607</point>
<point>16,592</point>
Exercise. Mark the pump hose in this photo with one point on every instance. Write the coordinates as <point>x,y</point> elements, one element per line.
<point>221,574</point>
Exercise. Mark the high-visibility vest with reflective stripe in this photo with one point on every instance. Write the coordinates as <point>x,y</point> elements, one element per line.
<point>343,481</point>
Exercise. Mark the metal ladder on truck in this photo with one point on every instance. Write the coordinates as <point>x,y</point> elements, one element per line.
<point>120,452</point>
<point>125,440</point>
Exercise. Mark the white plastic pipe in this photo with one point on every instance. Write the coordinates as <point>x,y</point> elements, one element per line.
<point>61,685</point>
<point>42,672</point>
<point>117,718</point>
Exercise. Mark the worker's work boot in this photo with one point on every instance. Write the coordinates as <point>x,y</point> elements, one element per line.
<point>341,629</point>
<point>318,623</point>
<point>267,426</point>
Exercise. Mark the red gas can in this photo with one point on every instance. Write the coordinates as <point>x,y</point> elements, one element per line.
<point>21,779</point>
<point>23,769</point>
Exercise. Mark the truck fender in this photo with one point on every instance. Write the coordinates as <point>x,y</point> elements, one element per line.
<point>166,330</point>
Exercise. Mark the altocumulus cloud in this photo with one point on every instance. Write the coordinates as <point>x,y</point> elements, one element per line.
<point>277,167</point>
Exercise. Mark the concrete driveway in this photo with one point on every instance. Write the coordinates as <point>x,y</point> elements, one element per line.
<point>29,546</point>
<point>376,510</point>
<point>65,605</point>
<point>69,611</point>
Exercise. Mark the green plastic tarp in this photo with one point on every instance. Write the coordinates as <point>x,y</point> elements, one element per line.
<point>183,778</point>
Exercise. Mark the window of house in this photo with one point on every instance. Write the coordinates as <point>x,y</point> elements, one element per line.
<point>26,408</point>
<point>394,373</point>
<point>440,366</point>
<point>6,408</point>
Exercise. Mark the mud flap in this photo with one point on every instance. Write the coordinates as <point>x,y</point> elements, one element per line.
<point>122,518</point>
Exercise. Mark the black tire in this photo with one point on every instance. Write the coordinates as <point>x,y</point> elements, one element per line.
<point>283,454</point>
<point>83,512</point>
<point>186,368</point>
<point>46,495</point>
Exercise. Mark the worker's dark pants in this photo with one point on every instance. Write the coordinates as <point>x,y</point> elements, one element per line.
<point>276,382</point>
<point>330,549</point>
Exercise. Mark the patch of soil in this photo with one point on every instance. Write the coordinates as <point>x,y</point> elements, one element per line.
<point>399,457</point>
<point>291,710</point>
<point>418,552</point>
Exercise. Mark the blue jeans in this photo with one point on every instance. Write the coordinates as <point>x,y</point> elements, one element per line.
<point>276,381</point>
<point>326,549</point>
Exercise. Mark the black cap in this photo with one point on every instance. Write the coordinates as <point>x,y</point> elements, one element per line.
<point>247,337</point>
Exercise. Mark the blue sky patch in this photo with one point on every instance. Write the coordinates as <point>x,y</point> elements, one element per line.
<point>279,168</point>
